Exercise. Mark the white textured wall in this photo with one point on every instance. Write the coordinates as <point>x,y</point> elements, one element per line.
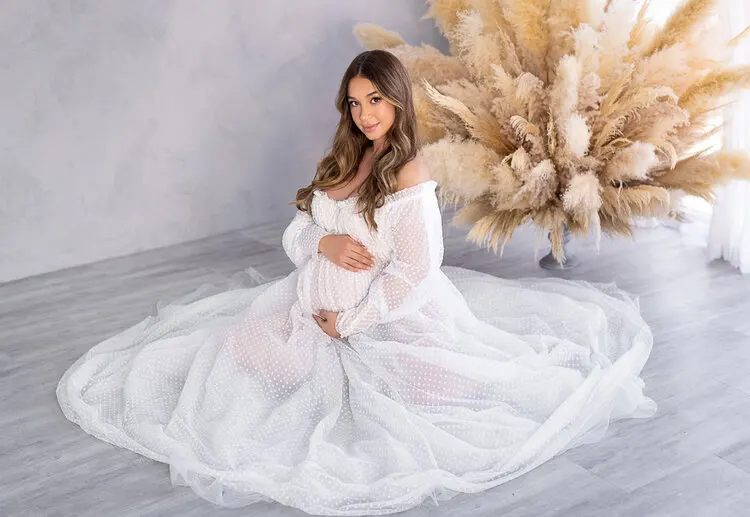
<point>131,125</point>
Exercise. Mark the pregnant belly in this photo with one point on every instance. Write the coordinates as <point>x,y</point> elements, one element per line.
<point>333,288</point>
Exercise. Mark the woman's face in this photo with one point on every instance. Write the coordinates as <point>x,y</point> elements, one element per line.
<point>373,114</point>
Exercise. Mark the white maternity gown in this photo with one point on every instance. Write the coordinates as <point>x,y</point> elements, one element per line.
<point>446,380</point>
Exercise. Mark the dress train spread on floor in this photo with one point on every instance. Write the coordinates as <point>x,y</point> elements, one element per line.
<point>445,380</point>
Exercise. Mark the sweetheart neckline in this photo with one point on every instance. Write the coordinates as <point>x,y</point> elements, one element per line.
<point>351,199</point>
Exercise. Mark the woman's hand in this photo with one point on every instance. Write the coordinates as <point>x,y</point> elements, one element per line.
<point>327,321</point>
<point>345,252</point>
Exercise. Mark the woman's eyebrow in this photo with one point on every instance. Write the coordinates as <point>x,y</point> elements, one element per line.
<point>368,95</point>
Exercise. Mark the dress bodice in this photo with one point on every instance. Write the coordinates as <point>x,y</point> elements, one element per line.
<point>328,286</point>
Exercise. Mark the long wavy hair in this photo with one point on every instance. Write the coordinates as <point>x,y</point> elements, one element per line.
<point>340,165</point>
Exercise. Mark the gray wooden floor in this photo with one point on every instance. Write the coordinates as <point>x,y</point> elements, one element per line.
<point>691,459</point>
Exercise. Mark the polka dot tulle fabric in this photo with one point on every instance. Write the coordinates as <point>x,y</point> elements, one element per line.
<point>445,380</point>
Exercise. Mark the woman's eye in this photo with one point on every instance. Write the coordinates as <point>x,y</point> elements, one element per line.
<point>375,100</point>
<point>353,104</point>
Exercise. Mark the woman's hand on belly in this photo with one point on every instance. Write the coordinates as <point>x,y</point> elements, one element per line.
<point>327,321</point>
<point>346,252</point>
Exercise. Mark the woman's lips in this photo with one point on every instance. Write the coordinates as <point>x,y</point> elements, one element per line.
<point>370,129</point>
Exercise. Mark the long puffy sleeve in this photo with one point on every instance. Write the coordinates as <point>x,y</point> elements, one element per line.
<point>403,285</point>
<point>301,238</point>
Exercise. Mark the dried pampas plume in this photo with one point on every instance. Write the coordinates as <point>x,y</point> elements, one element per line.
<point>572,113</point>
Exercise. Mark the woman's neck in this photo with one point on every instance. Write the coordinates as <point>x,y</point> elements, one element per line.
<point>379,144</point>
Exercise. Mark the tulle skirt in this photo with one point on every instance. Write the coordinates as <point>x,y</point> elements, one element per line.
<point>248,400</point>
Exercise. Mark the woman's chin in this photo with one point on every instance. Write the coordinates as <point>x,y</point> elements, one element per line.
<point>373,135</point>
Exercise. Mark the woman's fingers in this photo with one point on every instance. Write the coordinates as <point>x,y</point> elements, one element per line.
<point>356,257</point>
<point>364,255</point>
<point>357,263</point>
<point>320,320</point>
<point>361,249</point>
<point>353,265</point>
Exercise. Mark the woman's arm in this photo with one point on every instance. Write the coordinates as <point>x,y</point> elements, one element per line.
<point>402,286</point>
<point>301,238</point>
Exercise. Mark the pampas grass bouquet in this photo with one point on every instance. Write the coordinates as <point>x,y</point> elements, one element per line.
<point>571,115</point>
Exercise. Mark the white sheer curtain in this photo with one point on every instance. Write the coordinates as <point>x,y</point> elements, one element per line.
<point>729,234</point>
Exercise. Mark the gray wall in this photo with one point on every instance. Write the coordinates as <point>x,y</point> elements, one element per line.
<point>128,126</point>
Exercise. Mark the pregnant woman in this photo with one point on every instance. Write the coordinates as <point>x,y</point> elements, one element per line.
<point>372,378</point>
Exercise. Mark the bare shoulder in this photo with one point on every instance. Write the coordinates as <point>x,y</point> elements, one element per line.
<point>413,173</point>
